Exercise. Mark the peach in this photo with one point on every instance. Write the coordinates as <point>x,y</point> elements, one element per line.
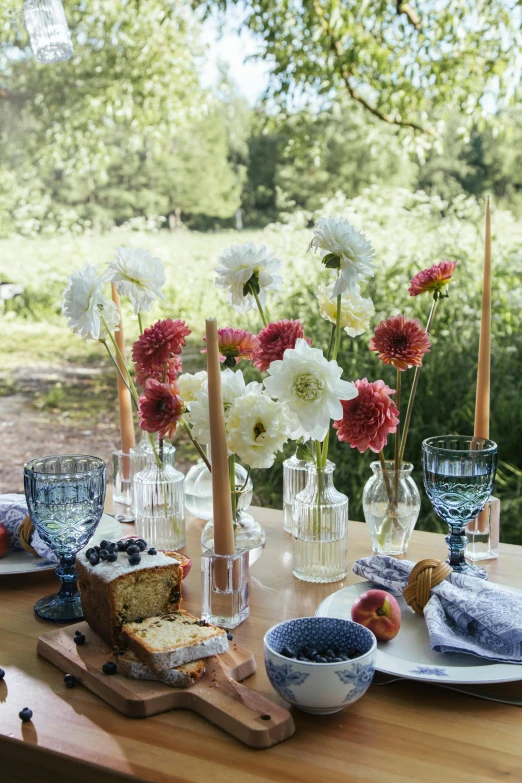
<point>380,612</point>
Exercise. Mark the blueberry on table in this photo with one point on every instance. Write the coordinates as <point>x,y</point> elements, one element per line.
<point>70,680</point>
<point>152,551</point>
<point>79,638</point>
<point>109,668</point>
<point>25,715</point>
<point>229,637</point>
<point>134,559</point>
<point>2,674</point>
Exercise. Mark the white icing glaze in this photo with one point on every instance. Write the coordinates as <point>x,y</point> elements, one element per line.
<point>106,571</point>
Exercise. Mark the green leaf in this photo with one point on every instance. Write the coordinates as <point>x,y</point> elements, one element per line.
<point>331,261</point>
<point>303,452</point>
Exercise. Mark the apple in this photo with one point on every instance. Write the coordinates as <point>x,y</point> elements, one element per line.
<point>4,540</point>
<point>378,611</point>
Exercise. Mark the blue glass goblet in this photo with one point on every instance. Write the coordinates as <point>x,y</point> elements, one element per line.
<point>459,471</point>
<point>65,497</point>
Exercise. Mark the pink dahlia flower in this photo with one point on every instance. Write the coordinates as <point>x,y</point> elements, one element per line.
<point>171,369</point>
<point>159,342</point>
<point>369,418</point>
<point>433,280</point>
<point>400,341</point>
<point>234,345</point>
<point>160,408</point>
<point>274,339</point>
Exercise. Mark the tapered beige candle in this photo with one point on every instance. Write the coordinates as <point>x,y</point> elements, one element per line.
<point>484,361</point>
<point>128,440</point>
<point>222,505</point>
<point>482,403</point>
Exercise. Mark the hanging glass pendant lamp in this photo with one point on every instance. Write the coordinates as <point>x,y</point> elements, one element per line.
<point>48,30</point>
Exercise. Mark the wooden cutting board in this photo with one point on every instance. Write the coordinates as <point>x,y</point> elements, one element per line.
<point>217,696</point>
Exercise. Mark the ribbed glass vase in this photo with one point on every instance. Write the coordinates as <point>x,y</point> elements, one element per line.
<point>295,474</point>
<point>142,456</point>
<point>320,528</point>
<point>159,506</point>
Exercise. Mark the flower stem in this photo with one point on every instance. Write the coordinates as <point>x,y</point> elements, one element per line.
<point>242,489</point>
<point>413,391</point>
<point>140,323</point>
<point>386,478</point>
<point>397,439</point>
<point>260,308</point>
<point>133,389</point>
<point>232,477</point>
<point>331,343</point>
<point>159,461</point>
<point>113,360</point>
<point>195,443</point>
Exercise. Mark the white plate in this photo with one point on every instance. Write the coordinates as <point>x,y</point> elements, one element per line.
<point>26,563</point>
<point>409,655</point>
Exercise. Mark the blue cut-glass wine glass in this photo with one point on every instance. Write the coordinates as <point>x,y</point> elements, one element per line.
<point>65,497</point>
<point>459,471</point>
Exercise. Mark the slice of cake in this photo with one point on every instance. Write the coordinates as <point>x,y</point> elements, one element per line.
<point>173,639</point>
<point>122,587</point>
<point>181,677</point>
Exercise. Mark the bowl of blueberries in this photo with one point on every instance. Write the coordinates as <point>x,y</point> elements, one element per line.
<point>320,664</point>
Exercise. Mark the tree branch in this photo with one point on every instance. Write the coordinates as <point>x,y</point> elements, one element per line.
<point>337,49</point>
<point>411,13</point>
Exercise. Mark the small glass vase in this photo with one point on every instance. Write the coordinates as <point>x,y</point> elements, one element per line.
<point>320,528</point>
<point>142,456</point>
<point>159,506</point>
<point>391,505</point>
<point>295,473</point>
<point>198,489</point>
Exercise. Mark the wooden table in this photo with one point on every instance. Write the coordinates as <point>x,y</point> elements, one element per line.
<point>401,733</point>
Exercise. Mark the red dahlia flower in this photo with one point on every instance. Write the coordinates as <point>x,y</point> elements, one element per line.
<point>172,369</point>
<point>274,339</point>
<point>160,408</point>
<point>369,418</point>
<point>433,280</point>
<point>400,341</point>
<point>234,345</point>
<point>159,342</point>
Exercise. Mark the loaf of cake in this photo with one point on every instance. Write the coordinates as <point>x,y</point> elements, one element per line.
<point>181,677</point>
<point>119,586</point>
<point>170,640</point>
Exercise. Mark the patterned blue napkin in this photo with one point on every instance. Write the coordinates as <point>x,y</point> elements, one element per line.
<point>13,511</point>
<point>463,615</point>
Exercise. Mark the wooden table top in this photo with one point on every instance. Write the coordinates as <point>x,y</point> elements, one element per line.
<point>401,733</point>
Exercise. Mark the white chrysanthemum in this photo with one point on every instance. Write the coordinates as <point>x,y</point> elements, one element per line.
<point>241,264</point>
<point>139,275</point>
<point>356,311</point>
<point>257,429</point>
<point>83,303</point>
<point>189,385</point>
<point>310,387</point>
<point>336,235</point>
<point>232,387</point>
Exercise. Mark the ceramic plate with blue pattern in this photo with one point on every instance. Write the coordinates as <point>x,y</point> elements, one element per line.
<point>409,655</point>
<point>22,562</point>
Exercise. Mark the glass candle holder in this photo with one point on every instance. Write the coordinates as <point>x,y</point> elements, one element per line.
<point>225,588</point>
<point>483,533</point>
<point>121,477</point>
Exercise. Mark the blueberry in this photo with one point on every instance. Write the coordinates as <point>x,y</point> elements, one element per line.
<point>121,546</point>
<point>112,557</point>
<point>287,652</point>
<point>304,658</point>
<point>94,559</point>
<point>104,544</point>
<point>141,544</point>
<point>229,637</point>
<point>133,550</point>
<point>312,653</point>
<point>129,542</point>
<point>90,552</point>
<point>79,638</point>
<point>330,653</point>
<point>152,551</point>
<point>70,680</point>
<point>112,546</point>
<point>109,668</point>
<point>2,674</point>
<point>97,548</point>
<point>25,714</point>
<point>102,554</point>
<point>134,559</point>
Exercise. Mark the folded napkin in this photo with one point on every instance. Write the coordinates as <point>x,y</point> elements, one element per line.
<point>463,615</point>
<point>22,535</point>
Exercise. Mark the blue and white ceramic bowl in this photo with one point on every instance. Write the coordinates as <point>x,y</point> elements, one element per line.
<point>320,688</point>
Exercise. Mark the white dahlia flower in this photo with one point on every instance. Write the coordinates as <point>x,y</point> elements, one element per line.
<point>257,429</point>
<point>246,270</point>
<point>356,311</point>
<point>310,387</point>
<point>83,304</point>
<point>139,275</point>
<point>336,236</point>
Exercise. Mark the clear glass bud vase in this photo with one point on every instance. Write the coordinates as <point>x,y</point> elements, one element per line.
<point>159,501</point>
<point>320,528</point>
<point>295,473</point>
<point>391,505</point>
<point>198,489</point>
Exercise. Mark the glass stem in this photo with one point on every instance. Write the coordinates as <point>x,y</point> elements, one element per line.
<point>413,391</point>
<point>68,578</point>
<point>457,542</point>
